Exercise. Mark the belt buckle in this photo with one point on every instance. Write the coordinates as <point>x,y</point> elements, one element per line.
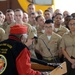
<point>50,59</point>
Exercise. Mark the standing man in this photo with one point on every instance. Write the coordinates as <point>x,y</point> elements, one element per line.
<point>47,14</point>
<point>30,9</point>
<point>59,29</point>
<point>40,28</point>
<point>25,17</point>
<point>52,40</point>
<point>9,18</point>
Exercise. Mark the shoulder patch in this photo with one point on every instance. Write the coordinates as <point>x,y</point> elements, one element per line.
<point>3,64</point>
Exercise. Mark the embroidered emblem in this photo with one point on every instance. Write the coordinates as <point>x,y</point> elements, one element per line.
<point>3,63</point>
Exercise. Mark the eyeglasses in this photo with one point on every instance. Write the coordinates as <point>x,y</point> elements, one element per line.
<point>48,27</point>
<point>72,24</point>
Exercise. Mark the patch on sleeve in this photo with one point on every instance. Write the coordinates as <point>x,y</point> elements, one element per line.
<point>3,63</point>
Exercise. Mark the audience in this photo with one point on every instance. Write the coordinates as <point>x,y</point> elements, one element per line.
<point>51,26</point>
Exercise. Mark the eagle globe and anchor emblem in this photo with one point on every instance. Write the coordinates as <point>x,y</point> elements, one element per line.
<point>3,64</point>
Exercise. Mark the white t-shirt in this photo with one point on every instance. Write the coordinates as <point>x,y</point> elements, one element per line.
<point>56,29</point>
<point>43,31</point>
<point>49,37</point>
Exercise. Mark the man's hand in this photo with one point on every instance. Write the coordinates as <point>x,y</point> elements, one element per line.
<point>72,61</point>
<point>73,66</point>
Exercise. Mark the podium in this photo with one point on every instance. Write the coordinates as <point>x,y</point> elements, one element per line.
<point>58,70</point>
<point>53,71</point>
<point>39,67</point>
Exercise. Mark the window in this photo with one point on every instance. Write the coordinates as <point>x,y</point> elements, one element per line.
<point>65,5</point>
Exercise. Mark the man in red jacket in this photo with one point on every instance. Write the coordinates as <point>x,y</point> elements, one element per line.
<point>15,55</point>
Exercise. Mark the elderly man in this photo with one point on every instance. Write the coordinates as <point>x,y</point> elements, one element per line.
<point>15,54</point>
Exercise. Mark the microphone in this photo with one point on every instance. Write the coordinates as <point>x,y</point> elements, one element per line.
<point>55,64</point>
<point>45,63</point>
